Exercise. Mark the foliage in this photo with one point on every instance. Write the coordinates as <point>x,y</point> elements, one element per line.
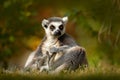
<point>93,23</point>
<point>15,24</point>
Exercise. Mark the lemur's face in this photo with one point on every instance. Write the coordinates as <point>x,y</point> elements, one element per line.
<point>54,26</point>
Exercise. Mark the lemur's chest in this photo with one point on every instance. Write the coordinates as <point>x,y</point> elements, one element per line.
<point>48,45</point>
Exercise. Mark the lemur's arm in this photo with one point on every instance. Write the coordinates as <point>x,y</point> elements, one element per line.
<point>63,48</point>
<point>33,57</point>
<point>60,49</point>
<point>66,43</point>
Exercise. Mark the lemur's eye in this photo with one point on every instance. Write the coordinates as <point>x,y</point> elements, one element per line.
<point>45,26</point>
<point>61,27</point>
<point>52,27</point>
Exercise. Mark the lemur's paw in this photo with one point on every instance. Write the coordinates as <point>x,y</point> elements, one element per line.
<point>53,50</point>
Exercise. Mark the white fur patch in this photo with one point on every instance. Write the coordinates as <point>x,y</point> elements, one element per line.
<point>30,58</point>
<point>65,19</point>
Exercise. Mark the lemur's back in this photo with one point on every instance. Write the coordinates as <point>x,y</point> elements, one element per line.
<point>67,40</point>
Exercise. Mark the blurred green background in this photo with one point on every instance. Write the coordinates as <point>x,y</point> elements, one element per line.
<point>95,25</point>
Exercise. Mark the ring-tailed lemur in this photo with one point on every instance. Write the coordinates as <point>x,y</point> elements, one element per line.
<point>67,53</point>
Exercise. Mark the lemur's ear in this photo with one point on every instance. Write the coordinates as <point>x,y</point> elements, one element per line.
<point>45,23</point>
<point>65,19</point>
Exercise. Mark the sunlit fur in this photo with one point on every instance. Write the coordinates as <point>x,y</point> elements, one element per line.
<point>60,50</point>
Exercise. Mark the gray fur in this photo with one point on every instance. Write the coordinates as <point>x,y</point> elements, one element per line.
<point>60,52</point>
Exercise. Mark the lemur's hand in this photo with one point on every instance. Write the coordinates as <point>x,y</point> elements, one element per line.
<point>53,50</point>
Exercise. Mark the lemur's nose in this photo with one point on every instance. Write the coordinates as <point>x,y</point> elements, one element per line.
<point>57,33</point>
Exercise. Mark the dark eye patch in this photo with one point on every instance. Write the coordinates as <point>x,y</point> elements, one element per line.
<point>45,26</point>
<point>52,27</point>
<point>61,27</point>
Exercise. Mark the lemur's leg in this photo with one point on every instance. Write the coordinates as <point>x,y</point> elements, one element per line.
<point>59,69</point>
<point>30,61</point>
<point>71,60</point>
<point>76,57</point>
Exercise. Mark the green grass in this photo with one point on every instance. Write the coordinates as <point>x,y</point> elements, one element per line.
<point>98,73</point>
<point>60,77</point>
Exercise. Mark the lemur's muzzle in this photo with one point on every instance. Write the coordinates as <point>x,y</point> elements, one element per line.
<point>57,33</point>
